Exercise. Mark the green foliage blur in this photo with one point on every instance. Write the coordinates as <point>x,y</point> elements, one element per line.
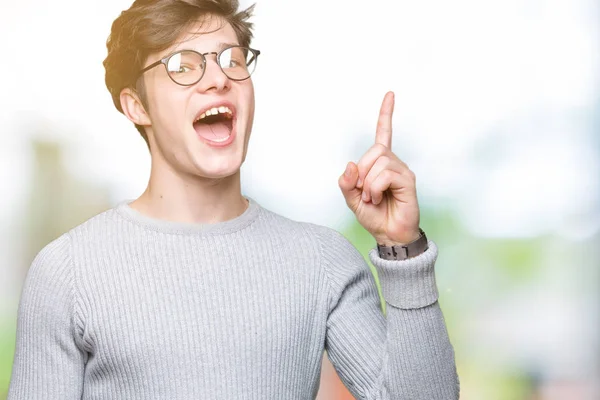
<point>7,349</point>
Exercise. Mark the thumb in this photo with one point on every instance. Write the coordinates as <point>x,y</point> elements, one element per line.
<point>347,183</point>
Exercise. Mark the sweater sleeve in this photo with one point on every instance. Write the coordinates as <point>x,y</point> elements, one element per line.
<point>406,354</point>
<point>48,362</point>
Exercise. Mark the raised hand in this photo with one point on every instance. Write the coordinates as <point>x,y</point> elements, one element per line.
<point>380,189</point>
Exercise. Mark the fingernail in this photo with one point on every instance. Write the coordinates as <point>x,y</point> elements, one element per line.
<point>359,183</point>
<point>347,173</point>
<point>364,196</point>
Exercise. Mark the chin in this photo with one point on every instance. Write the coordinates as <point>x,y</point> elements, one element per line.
<point>217,169</point>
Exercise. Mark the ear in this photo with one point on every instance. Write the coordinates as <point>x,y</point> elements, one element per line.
<point>133,108</point>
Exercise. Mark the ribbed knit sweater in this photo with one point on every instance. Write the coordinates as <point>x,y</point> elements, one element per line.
<point>125,306</point>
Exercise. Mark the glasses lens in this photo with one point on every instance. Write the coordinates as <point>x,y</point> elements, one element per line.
<point>186,67</point>
<point>237,62</point>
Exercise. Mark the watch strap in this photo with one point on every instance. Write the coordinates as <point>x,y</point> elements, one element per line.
<point>408,250</point>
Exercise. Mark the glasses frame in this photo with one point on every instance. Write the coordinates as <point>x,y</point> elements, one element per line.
<point>165,61</point>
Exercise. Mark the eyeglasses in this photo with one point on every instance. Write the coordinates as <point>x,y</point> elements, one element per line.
<point>187,67</point>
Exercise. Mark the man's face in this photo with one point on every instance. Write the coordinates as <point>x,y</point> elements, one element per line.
<point>177,140</point>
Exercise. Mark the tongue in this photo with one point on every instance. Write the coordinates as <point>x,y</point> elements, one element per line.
<point>216,130</point>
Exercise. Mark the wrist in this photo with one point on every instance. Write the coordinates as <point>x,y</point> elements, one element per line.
<point>403,251</point>
<point>410,238</point>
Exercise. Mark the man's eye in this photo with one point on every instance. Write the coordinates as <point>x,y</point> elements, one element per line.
<point>182,69</point>
<point>229,64</point>
<point>235,64</point>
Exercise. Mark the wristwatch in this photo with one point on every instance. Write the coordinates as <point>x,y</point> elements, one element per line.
<point>409,250</point>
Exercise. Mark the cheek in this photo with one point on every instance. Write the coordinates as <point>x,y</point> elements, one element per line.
<point>167,109</point>
<point>249,100</point>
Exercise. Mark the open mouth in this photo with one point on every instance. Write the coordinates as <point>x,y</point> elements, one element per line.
<point>215,124</point>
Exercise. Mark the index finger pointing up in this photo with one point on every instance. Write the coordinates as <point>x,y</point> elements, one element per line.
<point>383,134</point>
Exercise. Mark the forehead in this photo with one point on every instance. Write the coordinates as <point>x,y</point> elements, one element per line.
<point>207,34</point>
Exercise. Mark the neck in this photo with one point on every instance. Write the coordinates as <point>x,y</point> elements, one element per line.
<point>174,196</point>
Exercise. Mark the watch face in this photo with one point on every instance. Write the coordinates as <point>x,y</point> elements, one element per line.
<point>410,250</point>
<point>392,252</point>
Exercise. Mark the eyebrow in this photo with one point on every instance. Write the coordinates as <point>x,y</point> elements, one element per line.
<point>224,45</point>
<point>220,47</point>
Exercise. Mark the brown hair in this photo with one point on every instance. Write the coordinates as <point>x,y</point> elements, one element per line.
<point>151,26</point>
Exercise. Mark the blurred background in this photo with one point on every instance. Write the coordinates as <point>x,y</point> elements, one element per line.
<point>497,112</point>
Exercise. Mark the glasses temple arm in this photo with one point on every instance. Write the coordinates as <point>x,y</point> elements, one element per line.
<point>254,56</point>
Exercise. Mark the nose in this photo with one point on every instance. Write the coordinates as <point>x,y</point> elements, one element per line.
<point>214,78</point>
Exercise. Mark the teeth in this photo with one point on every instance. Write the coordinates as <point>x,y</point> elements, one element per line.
<point>215,111</point>
<point>220,140</point>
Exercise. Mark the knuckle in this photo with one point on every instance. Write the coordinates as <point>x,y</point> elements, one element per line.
<point>362,166</point>
<point>381,179</point>
<point>387,175</point>
<point>381,148</point>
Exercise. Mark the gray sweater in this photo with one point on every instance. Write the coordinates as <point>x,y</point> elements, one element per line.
<point>125,306</point>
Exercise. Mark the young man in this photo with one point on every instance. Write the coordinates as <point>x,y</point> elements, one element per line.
<point>194,291</point>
